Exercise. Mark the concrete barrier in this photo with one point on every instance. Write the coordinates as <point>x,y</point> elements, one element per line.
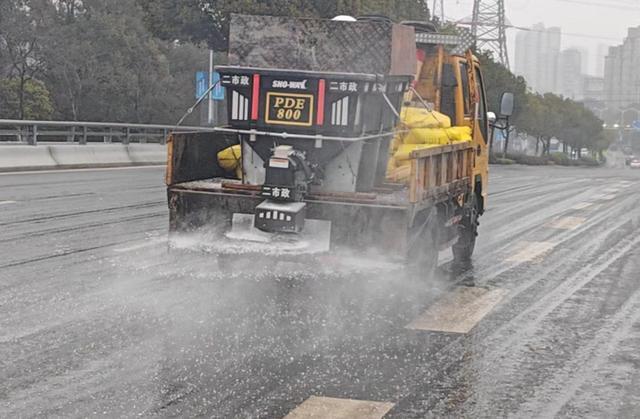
<point>14,157</point>
<point>90,155</point>
<point>25,157</point>
<point>147,153</point>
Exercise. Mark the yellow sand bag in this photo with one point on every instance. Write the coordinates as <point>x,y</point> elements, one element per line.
<point>400,174</point>
<point>414,117</point>
<point>459,134</point>
<point>427,136</point>
<point>397,141</point>
<point>405,150</point>
<point>230,159</point>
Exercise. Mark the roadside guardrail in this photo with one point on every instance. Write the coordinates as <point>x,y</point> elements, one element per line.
<point>76,132</point>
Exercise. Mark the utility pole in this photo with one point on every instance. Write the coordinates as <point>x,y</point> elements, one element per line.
<point>210,120</point>
<point>438,10</point>
<point>489,27</point>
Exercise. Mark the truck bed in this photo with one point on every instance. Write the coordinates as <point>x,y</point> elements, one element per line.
<point>393,195</point>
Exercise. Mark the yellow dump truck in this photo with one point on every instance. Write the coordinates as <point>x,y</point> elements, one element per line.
<point>364,137</point>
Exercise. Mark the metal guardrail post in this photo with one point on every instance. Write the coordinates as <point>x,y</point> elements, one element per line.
<point>165,133</point>
<point>83,141</point>
<point>71,138</point>
<point>127,138</point>
<point>34,137</point>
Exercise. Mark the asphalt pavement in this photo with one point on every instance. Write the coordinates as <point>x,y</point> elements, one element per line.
<point>97,318</point>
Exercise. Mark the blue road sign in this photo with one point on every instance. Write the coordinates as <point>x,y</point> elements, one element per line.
<point>202,85</point>
<point>218,92</point>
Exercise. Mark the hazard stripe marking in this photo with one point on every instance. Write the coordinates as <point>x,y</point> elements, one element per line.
<point>567,223</point>
<point>331,408</point>
<point>459,311</point>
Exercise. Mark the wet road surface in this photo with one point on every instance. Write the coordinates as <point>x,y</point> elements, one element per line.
<point>97,319</point>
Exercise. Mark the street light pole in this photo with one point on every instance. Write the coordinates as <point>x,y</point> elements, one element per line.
<point>210,117</point>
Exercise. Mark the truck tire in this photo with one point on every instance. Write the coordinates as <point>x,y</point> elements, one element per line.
<point>423,252</point>
<point>468,230</point>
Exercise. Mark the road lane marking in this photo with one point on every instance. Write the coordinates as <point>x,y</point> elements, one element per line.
<point>7,202</point>
<point>331,408</point>
<point>459,311</point>
<point>567,223</point>
<point>582,206</point>
<point>148,243</point>
<point>529,251</point>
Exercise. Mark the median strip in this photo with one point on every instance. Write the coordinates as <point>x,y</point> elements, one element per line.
<point>459,311</point>
<point>328,407</point>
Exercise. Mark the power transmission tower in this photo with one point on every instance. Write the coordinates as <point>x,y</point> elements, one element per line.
<point>489,27</point>
<point>438,10</point>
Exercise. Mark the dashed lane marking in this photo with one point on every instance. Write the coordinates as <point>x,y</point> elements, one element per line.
<point>582,206</point>
<point>331,408</point>
<point>7,202</point>
<point>567,223</point>
<point>148,243</point>
<point>528,251</point>
<point>459,311</point>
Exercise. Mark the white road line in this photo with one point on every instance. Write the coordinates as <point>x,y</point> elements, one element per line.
<point>98,169</point>
<point>331,408</point>
<point>582,206</point>
<point>528,251</point>
<point>567,223</point>
<point>459,311</point>
<point>148,243</point>
<point>7,202</point>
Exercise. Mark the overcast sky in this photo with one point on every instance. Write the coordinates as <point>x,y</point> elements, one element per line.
<point>602,21</point>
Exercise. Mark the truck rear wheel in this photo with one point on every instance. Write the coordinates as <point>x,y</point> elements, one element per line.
<point>463,249</point>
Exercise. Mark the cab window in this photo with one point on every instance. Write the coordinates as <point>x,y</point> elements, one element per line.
<point>464,77</point>
<point>482,106</point>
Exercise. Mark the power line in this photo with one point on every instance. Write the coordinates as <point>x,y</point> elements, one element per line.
<point>609,5</point>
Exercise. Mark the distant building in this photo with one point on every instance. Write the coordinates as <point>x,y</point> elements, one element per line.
<point>570,81</point>
<point>621,75</point>
<point>593,88</point>
<point>601,55</point>
<point>537,53</point>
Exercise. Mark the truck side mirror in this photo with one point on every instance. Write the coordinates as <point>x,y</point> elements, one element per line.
<point>507,104</point>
